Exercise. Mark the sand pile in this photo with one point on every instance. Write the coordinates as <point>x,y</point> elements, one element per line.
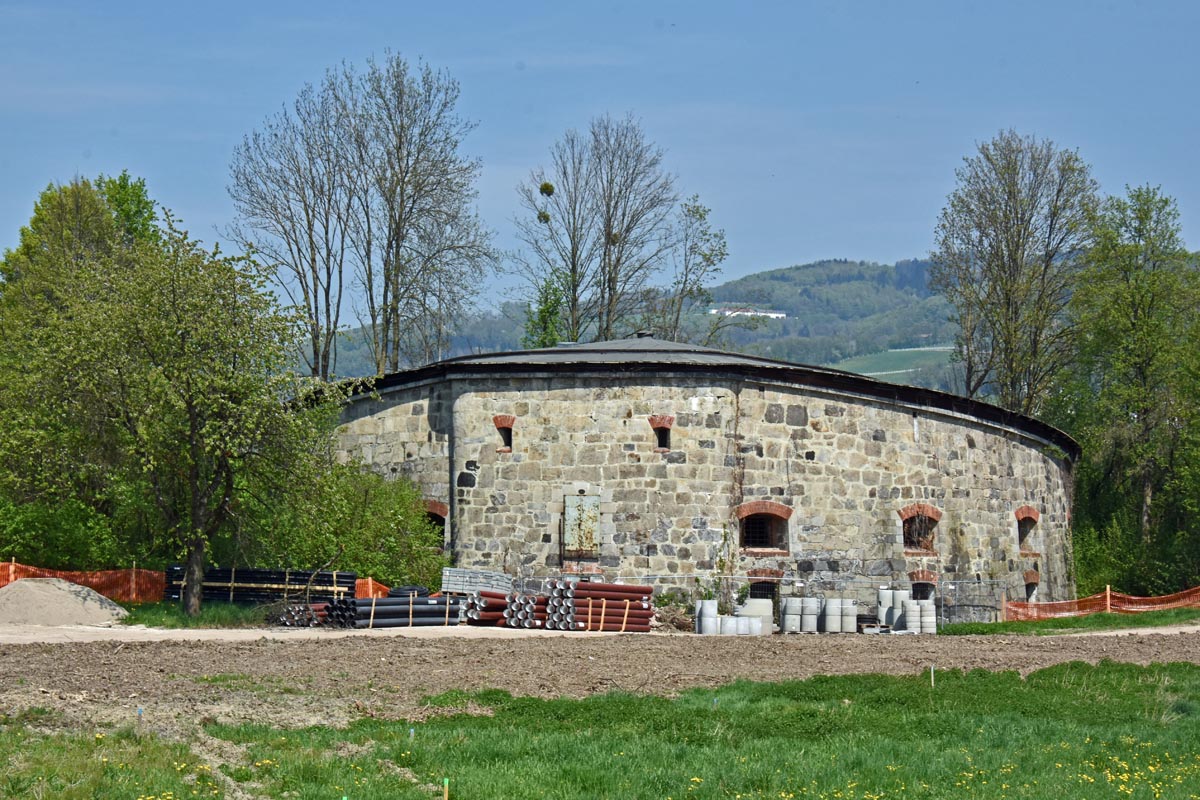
<point>52,601</point>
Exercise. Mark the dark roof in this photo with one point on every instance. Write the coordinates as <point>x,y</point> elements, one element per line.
<point>645,354</point>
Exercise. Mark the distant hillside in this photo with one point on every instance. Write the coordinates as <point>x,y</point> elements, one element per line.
<point>836,310</point>
<point>840,309</point>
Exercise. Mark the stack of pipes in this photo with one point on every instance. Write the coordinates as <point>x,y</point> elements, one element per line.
<point>303,615</point>
<point>487,608</point>
<point>394,612</point>
<point>527,610</point>
<point>614,607</point>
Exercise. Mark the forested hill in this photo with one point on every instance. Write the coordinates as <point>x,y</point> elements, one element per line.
<point>840,309</point>
<point>836,309</point>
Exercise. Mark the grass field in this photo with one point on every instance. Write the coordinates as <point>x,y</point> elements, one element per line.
<point>169,614</point>
<point>894,361</point>
<point>1072,731</point>
<point>1091,622</point>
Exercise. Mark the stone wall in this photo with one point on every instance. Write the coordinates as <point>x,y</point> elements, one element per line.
<point>833,475</point>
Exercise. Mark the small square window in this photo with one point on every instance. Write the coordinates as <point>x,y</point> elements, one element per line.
<point>663,438</point>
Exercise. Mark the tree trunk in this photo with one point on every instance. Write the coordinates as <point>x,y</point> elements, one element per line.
<point>193,575</point>
<point>1147,498</point>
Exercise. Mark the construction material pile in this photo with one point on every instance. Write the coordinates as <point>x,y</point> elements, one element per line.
<point>244,585</point>
<point>412,611</point>
<point>567,606</point>
<point>53,601</point>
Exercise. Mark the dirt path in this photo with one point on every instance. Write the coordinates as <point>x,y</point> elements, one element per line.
<point>297,677</point>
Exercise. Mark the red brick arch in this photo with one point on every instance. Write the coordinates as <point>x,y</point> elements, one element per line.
<point>923,576</point>
<point>437,507</point>
<point>661,421</point>
<point>763,507</point>
<point>504,420</point>
<point>1027,512</point>
<point>764,572</point>
<point>921,510</point>
<point>1032,576</point>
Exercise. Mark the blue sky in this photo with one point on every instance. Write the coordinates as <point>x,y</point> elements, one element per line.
<point>812,130</point>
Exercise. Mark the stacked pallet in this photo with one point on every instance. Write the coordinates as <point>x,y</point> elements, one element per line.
<point>456,580</point>
<point>243,585</point>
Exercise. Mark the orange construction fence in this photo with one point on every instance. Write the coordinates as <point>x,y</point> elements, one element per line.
<point>1108,600</point>
<point>131,585</point>
<point>134,585</point>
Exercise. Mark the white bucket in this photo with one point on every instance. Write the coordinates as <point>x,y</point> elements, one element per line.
<point>793,605</point>
<point>808,623</point>
<point>743,626</point>
<point>708,608</point>
<point>709,626</point>
<point>791,623</point>
<point>755,625</point>
<point>728,625</point>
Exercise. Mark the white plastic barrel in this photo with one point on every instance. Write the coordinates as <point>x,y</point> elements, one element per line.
<point>808,623</point>
<point>791,623</point>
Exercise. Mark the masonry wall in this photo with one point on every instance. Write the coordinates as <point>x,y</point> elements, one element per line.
<point>837,473</point>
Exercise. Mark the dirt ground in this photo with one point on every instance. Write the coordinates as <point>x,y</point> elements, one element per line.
<point>289,678</point>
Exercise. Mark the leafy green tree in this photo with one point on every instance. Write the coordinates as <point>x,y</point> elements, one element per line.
<point>131,206</point>
<point>543,322</point>
<point>47,453</point>
<point>1130,398</point>
<point>341,516</point>
<point>1007,250</point>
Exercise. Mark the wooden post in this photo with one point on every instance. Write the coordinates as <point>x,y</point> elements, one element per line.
<point>133,583</point>
<point>1108,598</point>
<point>1004,606</point>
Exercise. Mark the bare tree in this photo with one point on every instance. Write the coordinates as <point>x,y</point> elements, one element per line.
<point>598,225</point>
<point>562,230</point>
<point>366,174</point>
<point>635,198</point>
<point>1008,244</point>
<point>290,185</point>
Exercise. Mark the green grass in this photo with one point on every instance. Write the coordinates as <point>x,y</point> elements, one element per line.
<point>1071,731</point>
<point>120,764</point>
<point>169,614</point>
<point>894,361</point>
<point>1091,622</point>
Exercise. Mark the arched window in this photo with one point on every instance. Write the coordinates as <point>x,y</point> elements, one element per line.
<point>923,583</point>
<point>922,591</point>
<point>919,523</point>
<point>1027,520</point>
<point>436,512</point>
<point>662,424</point>
<point>764,525</point>
<point>504,426</point>
<point>1032,580</point>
